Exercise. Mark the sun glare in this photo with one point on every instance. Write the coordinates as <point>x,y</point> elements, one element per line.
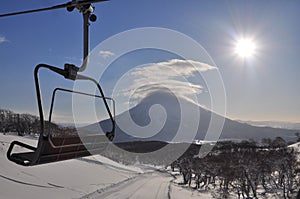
<point>245,48</point>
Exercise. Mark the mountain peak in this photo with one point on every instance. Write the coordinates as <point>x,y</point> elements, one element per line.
<point>158,116</point>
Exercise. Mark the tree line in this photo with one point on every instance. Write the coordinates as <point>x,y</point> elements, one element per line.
<point>27,124</point>
<point>20,123</point>
<point>245,169</point>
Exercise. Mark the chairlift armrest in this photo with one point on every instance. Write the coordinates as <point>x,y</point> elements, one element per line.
<point>19,144</point>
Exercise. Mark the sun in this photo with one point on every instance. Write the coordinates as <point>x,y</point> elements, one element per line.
<point>245,48</point>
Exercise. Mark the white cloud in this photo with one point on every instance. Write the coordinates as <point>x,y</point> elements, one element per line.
<point>173,74</point>
<point>106,54</point>
<point>2,39</point>
<point>177,87</point>
<point>173,68</point>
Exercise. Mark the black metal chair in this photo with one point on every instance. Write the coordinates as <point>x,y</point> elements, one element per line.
<point>53,147</point>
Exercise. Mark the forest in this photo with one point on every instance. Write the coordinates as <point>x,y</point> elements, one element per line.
<point>20,123</point>
<point>245,169</point>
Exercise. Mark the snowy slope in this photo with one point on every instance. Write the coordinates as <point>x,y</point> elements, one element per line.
<point>86,178</point>
<point>296,147</point>
<point>68,179</point>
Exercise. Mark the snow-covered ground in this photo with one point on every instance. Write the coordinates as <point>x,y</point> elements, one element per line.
<point>89,177</point>
<point>296,147</point>
<point>68,179</point>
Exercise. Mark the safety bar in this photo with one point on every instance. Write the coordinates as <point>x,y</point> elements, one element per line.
<point>69,72</point>
<point>77,92</point>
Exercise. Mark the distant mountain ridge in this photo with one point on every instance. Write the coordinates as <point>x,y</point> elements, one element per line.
<point>274,124</point>
<point>232,130</point>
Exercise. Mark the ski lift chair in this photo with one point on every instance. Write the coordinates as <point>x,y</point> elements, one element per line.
<point>52,147</point>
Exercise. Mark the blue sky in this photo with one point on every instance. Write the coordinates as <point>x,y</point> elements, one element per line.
<point>263,87</point>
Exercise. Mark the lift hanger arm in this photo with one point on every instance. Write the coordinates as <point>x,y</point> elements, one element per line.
<point>85,8</point>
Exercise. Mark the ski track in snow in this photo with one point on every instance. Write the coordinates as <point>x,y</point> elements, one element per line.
<point>30,184</point>
<point>152,185</point>
<point>97,162</point>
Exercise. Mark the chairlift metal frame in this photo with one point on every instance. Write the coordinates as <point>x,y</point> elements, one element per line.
<point>47,151</point>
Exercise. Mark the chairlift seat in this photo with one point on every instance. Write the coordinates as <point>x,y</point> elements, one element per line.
<point>54,147</point>
<point>65,148</point>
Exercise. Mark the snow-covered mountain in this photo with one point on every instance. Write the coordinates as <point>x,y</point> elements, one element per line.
<point>171,117</point>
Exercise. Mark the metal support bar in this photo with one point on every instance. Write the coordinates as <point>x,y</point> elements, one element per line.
<point>69,72</point>
<point>38,91</point>
<point>85,7</point>
<point>82,77</point>
<point>86,24</point>
<point>81,93</point>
